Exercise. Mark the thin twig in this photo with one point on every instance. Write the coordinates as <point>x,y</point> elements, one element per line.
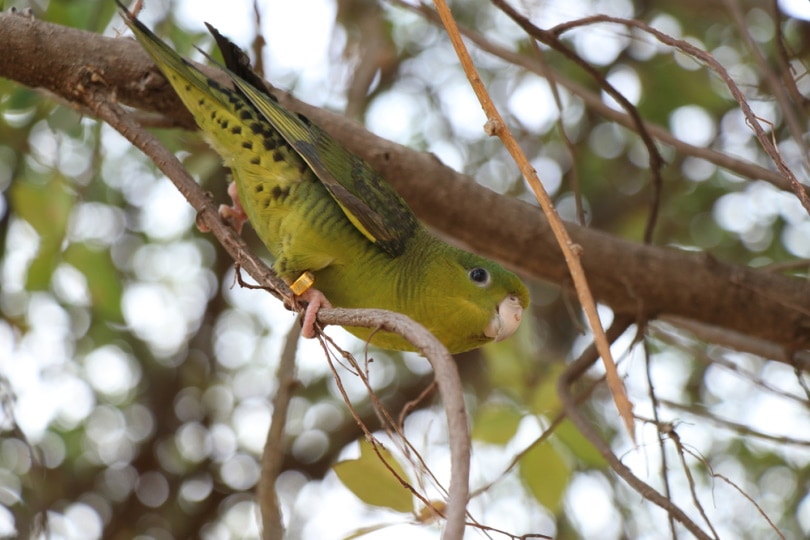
<point>741,167</point>
<point>569,144</point>
<point>571,252</point>
<point>394,429</point>
<point>707,58</point>
<point>699,352</point>
<point>557,418</point>
<point>573,372</point>
<point>752,501</point>
<point>775,85</point>
<point>799,359</point>
<point>413,403</point>
<point>741,429</point>
<point>659,433</point>
<point>326,342</point>
<point>551,38</point>
<point>676,439</point>
<point>783,58</point>
<point>449,383</point>
<point>259,42</point>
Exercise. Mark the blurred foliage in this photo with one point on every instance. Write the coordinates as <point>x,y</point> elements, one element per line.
<point>136,380</point>
<point>375,477</point>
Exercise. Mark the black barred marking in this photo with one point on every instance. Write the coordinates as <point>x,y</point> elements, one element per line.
<point>201,102</point>
<point>256,161</point>
<point>259,188</point>
<point>224,124</point>
<point>236,130</point>
<point>245,115</point>
<point>269,143</point>
<point>278,156</point>
<point>188,88</point>
<point>279,193</point>
<point>247,145</point>
<point>214,84</point>
<point>213,115</point>
<point>303,118</point>
<point>255,127</point>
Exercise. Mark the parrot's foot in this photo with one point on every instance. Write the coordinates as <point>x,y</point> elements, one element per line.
<point>315,300</point>
<point>235,214</point>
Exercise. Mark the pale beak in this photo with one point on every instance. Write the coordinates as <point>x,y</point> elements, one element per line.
<point>506,319</point>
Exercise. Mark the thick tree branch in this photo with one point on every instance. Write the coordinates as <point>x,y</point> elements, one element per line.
<point>631,278</point>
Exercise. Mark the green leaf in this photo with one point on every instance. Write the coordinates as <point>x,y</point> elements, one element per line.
<point>19,99</point>
<point>546,475</point>
<point>511,363</point>
<point>568,434</point>
<point>544,399</point>
<point>372,482</point>
<point>46,207</point>
<point>495,423</point>
<point>41,269</point>
<point>102,277</point>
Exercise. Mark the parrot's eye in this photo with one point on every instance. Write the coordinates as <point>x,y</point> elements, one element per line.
<point>479,276</point>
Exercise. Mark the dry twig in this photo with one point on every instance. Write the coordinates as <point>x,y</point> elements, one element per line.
<point>571,251</point>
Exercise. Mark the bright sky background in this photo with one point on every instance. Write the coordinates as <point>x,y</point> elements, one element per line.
<point>298,36</point>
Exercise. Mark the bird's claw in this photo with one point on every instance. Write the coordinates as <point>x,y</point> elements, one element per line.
<point>315,300</point>
<point>234,214</point>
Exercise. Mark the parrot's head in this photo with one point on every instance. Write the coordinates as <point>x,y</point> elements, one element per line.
<point>478,301</point>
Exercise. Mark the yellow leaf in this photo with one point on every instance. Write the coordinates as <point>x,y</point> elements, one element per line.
<point>372,481</point>
<point>432,513</point>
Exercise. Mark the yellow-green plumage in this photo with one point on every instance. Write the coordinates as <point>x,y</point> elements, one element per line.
<point>321,209</point>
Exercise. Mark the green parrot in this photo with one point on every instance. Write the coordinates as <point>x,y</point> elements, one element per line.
<point>327,217</point>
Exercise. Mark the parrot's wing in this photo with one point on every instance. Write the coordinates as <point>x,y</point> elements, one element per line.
<point>370,203</point>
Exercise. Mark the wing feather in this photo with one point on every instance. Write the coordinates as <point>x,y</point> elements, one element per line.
<point>367,200</point>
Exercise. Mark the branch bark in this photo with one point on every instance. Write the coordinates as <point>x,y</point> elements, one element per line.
<point>273,454</point>
<point>644,281</point>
